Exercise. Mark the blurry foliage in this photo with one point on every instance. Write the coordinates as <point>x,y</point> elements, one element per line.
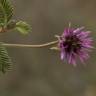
<point>23,27</point>
<point>5,61</point>
<point>6,24</point>
<point>6,12</point>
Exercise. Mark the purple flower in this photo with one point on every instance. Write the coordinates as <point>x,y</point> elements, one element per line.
<point>74,43</point>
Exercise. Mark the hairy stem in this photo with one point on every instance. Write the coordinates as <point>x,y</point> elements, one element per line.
<point>30,46</point>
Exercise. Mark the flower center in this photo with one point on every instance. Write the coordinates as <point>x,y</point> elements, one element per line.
<point>72,43</point>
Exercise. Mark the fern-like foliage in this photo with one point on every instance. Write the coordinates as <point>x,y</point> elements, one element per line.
<point>6,12</point>
<point>5,61</point>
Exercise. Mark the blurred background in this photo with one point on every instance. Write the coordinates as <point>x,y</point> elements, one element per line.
<point>40,72</point>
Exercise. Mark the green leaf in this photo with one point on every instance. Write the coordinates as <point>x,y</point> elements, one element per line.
<point>6,12</point>
<point>23,27</point>
<point>5,61</point>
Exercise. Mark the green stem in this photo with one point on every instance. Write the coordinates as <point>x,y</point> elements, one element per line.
<point>30,46</point>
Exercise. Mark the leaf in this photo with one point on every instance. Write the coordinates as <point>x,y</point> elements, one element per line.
<point>23,27</point>
<point>5,61</point>
<point>6,12</point>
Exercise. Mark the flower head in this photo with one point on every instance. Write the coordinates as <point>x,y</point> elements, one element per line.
<point>75,43</point>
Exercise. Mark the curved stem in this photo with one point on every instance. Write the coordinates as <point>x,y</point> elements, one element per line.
<point>30,46</point>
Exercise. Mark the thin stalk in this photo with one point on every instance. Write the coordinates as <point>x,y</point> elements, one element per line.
<point>30,46</point>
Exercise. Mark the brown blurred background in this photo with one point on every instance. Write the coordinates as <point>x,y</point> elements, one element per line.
<point>40,72</point>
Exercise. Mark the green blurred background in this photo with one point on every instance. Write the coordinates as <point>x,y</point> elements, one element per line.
<point>40,72</point>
